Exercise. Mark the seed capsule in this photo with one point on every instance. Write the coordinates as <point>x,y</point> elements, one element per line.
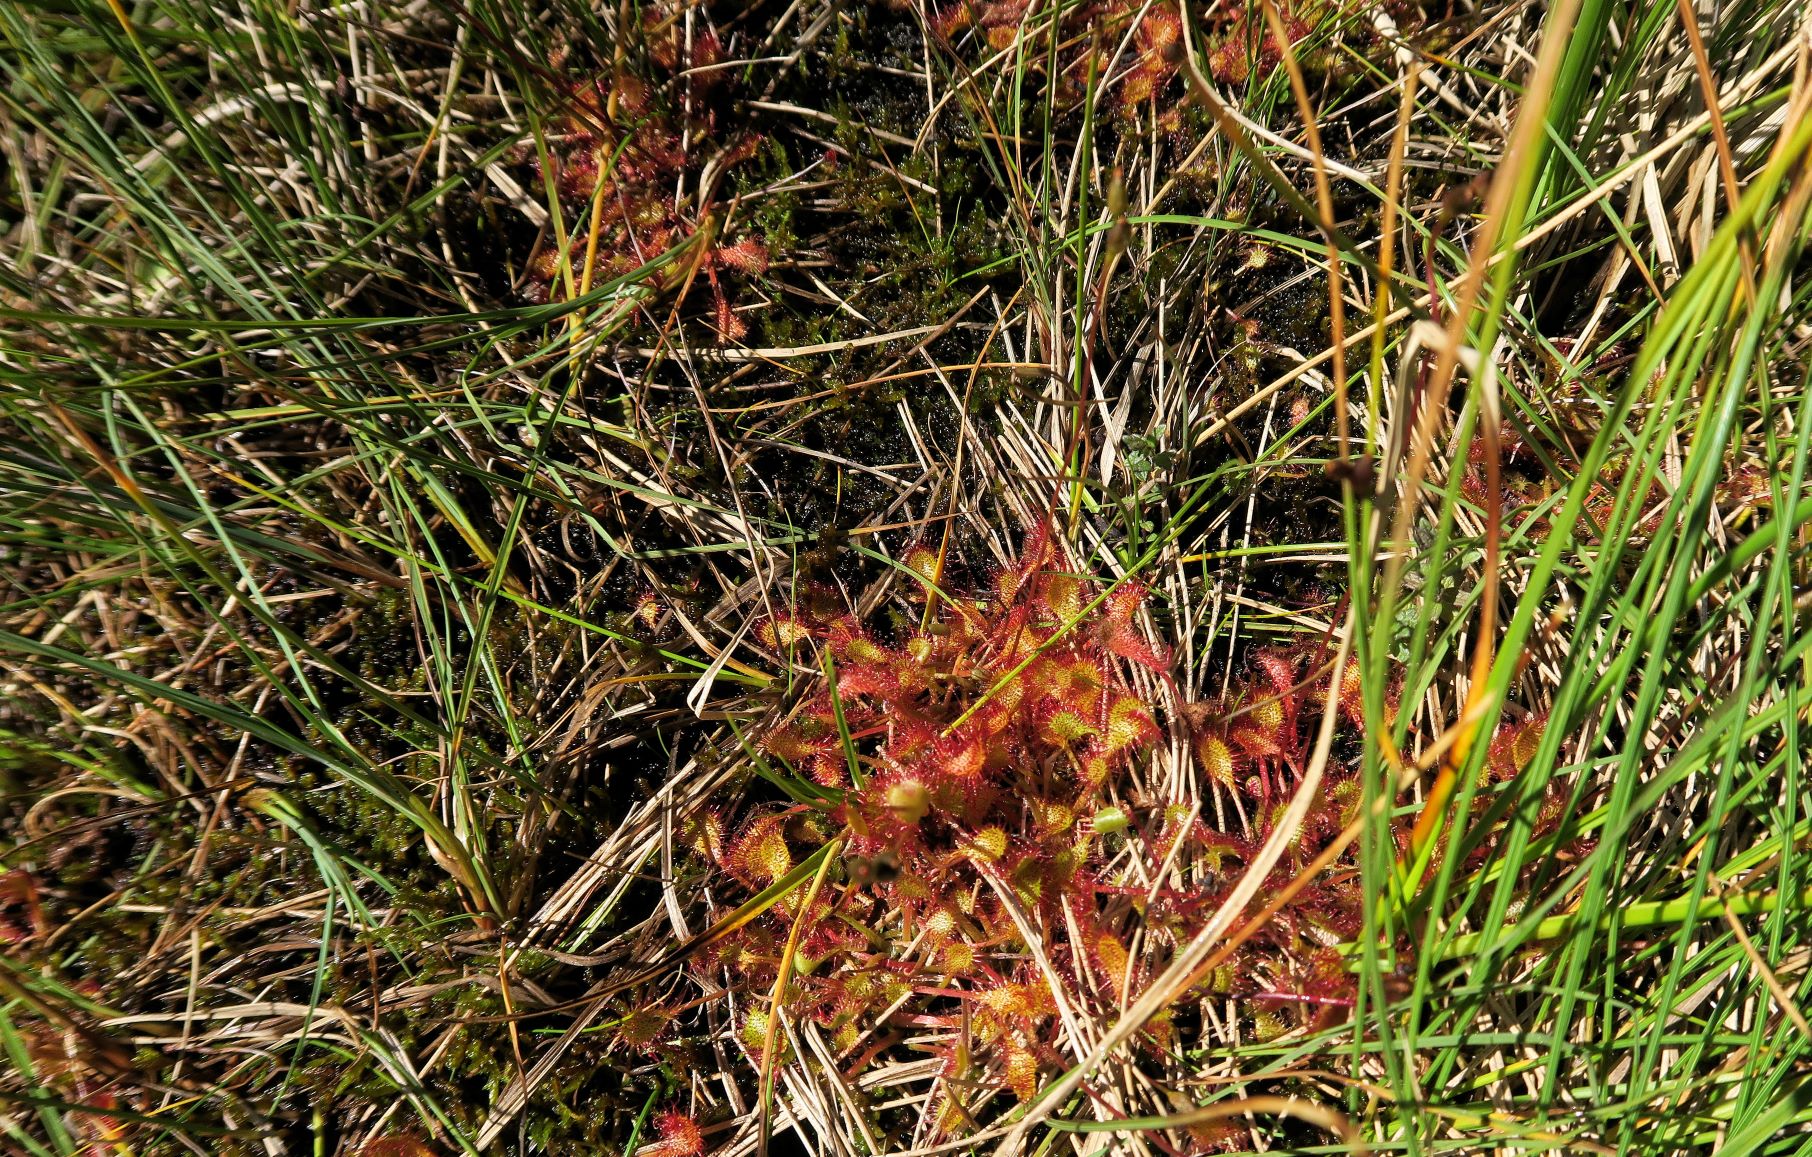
<point>909,801</point>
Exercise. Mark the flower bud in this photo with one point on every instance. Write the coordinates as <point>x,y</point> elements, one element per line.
<point>909,801</point>
<point>1109,820</point>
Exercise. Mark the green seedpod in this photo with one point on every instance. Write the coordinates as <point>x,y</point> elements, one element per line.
<point>1110,820</point>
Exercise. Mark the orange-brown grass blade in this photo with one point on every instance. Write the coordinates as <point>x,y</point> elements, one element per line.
<point>1324,204</point>
<point>781,978</point>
